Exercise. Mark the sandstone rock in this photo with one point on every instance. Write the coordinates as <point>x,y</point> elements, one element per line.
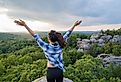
<point>106,37</point>
<point>79,42</point>
<point>114,40</point>
<point>116,36</point>
<point>43,79</point>
<point>102,44</point>
<point>86,40</point>
<point>93,40</point>
<point>95,36</point>
<point>84,46</point>
<point>78,39</point>
<point>109,58</point>
<point>100,41</point>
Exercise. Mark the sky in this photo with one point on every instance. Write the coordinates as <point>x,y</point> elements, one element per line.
<point>44,15</point>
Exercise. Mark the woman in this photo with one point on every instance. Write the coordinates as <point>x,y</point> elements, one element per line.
<point>52,50</point>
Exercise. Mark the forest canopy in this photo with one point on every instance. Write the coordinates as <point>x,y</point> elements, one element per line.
<point>21,60</point>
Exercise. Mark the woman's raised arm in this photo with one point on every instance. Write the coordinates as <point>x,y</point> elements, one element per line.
<point>68,33</point>
<point>75,24</point>
<point>22,23</point>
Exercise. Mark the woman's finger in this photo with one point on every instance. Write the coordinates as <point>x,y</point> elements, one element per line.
<point>20,20</point>
<point>80,21</point>
<point>16,21</point>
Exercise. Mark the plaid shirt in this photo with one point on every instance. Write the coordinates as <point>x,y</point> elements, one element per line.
<point>53,52</point>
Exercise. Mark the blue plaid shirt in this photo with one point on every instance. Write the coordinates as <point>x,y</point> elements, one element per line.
<point>53,52</point>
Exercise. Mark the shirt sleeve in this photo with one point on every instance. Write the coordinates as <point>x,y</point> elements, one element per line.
<point>40,42</point>
<point>66,35</point>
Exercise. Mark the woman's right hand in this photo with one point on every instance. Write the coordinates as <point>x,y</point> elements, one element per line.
<point>20,22</point>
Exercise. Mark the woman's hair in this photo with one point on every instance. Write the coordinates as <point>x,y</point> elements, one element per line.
<point>56,36</point>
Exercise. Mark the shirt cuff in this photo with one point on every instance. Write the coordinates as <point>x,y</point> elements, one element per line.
<point>36,36</point>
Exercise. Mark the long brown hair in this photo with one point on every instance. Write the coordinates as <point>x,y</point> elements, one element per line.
<point>57,36</point>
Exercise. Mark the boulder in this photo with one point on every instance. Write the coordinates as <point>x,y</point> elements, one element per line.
<point>93,40</point>
<point>95,36</point>
<point>116,36</point>
<point>85,46</point>
<point>86,40</point>
<point>106,37</point>
<point>101,41</point>
<point>101,45</point>
<point>114,40</point>
<point>43,79</point>
<point>78,39</point>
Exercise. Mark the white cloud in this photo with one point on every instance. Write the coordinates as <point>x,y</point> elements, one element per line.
<point>52,10</point>
<point>7,25</point>
<point>2,10</point>
<point>42,15</point>
<point>99,27</point>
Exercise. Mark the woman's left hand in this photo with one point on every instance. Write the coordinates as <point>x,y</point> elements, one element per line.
<point>77,23</point>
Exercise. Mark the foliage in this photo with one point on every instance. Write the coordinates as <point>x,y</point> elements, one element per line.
<point>89,69</point>
<point>71,56</point>
<point>72,41</point>
<point>96,50</point>
<point>21,60</point>
<point>113,48</point>
<point>112,32</point>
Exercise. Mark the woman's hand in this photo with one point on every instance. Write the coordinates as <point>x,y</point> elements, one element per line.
<point>20,22</point>
<point>77,23</point>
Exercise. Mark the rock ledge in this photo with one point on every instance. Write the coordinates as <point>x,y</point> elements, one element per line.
<point>43,79</point>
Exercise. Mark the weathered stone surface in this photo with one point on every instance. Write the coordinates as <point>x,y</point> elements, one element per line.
<point>86,40</point>
<point>78,39</point>
<point>100,39</point>
<point>95,36</point>
<point>116,38</point>
<point>106,37</point>
<point>43,79</point>
<point>109,58</point>
<point>93,40</point>
<point>102,44</point>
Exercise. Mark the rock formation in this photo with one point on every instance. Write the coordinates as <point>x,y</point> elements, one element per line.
<point>109,58</point>
<point>85,44</point>
<point>43,79</point>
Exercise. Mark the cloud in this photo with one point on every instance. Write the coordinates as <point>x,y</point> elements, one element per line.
<point>7,25</point>
<point>62,13</point>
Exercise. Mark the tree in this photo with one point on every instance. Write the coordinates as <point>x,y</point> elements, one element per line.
<point>86,69</point>
<point>116,49</point>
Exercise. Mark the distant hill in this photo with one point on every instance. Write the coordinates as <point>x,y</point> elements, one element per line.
<point>23,35</point>
<point>86,32</point>
<point>18,35</point>
<point>7,36</point>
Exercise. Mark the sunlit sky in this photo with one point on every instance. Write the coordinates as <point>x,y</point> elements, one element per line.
<point>44,15</point>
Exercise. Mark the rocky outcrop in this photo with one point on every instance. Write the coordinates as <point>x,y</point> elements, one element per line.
<point>84,45</point>
<point>109,58</point>
<point>43,79</point>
